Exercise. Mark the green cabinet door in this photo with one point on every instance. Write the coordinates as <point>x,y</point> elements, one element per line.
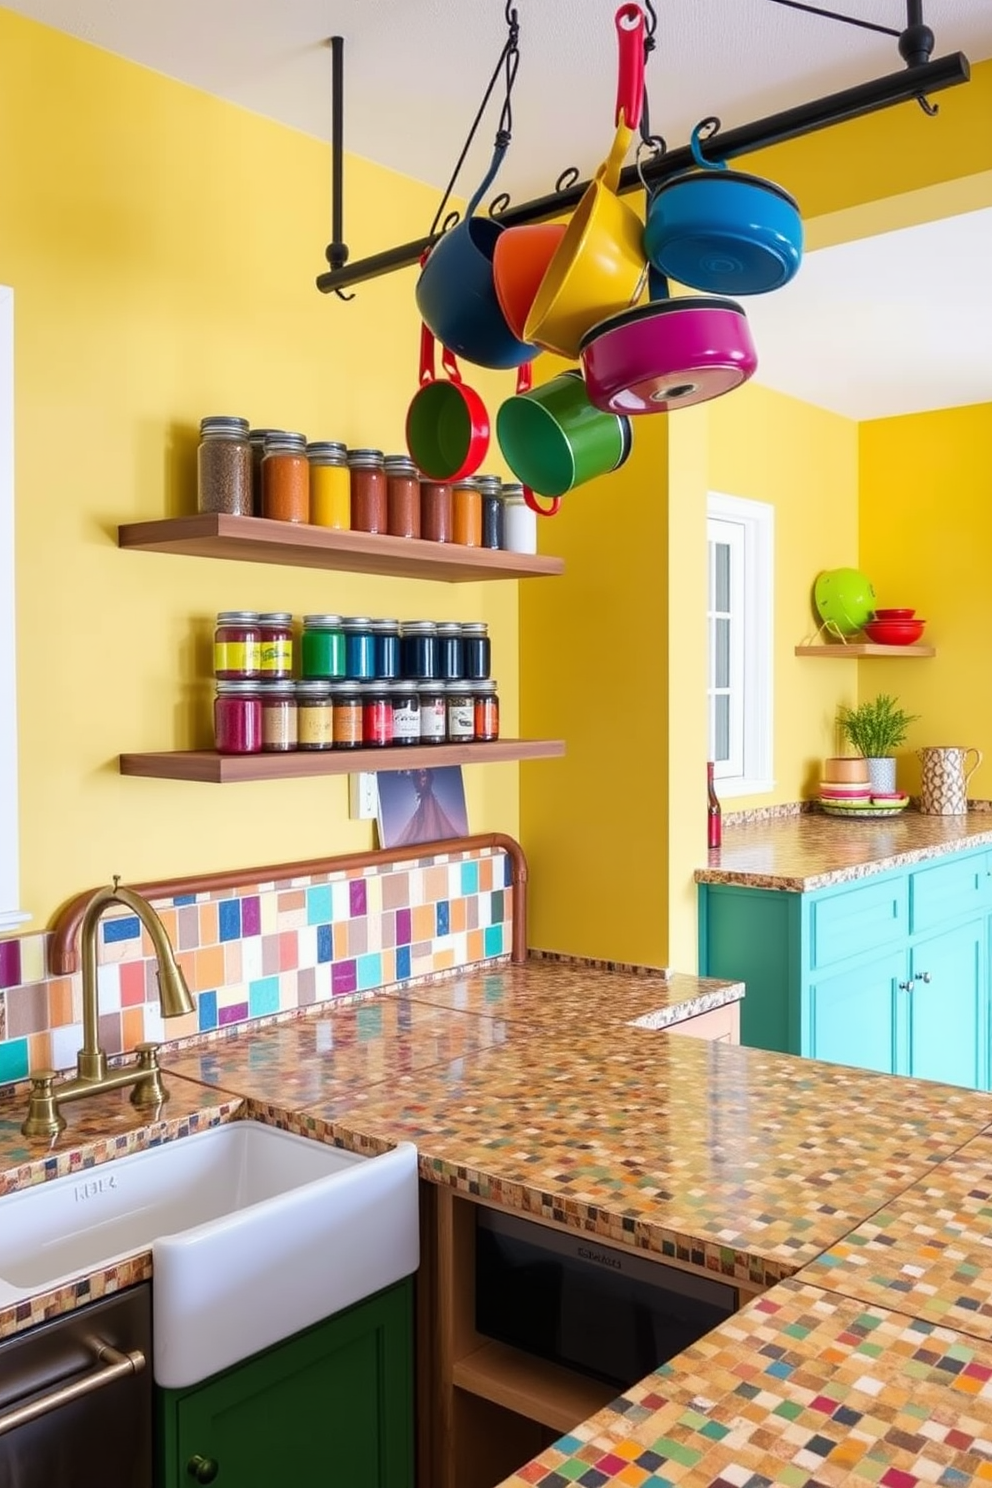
<point>947,1007</point>
<point>854,1014</point>
<point>331,1407</point>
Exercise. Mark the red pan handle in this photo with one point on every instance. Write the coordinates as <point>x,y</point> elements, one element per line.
<point>427,373</point>
<point>629,21</point>
<point>525,377</point>
<point>530,499</point>
<point>450,363</point>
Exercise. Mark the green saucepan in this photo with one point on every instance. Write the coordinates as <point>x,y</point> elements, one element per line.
<point>554,439</point>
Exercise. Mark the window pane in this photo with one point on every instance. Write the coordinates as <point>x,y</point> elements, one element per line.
<point>721,742</point>
<point>721,577</point>
<point>721,654</point>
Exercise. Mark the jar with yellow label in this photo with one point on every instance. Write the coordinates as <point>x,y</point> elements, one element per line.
<point>276,630</point>
<point>330,484</point>
<point>237,646</point>
<point>314,715</point>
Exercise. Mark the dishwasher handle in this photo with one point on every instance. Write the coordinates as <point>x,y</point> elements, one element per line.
<point>113,1364</point>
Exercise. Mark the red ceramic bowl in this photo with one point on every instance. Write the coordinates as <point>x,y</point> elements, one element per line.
<point>894,632</point>
<point>893,614</point>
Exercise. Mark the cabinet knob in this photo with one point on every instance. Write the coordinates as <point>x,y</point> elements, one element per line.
<point>924,976</point>
<point>202,1469</point>
<point>907,986</point>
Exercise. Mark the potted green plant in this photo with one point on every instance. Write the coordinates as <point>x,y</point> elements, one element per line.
<point>875,729</point>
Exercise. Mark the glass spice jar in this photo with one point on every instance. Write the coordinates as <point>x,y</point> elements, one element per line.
<point>460,706</point>
<point>330,484</point>
<point>490,493</point>
<point>223,467</point>
<point>369,512</point>
<point>386,645</point>
<point>433,712</point>
<point>519,522</point>
<point>377,715</point>
<point>451,664</point>
<point>466,514</point>
<point>276,632</point>
<point>237,646</point>
<point>315,715</point>
<point>402,497</point>
<point>436,519</point>
<point>347,702</point>
<point>421,659</point>
<point>257,438</point>
<point>485,711</point>
<point>286,478</point>
<point>322,647</point>
<point>279,717</point>
<point>359,648</point>
<point>477,649</point>
<point>405,700</point>
<point>238,718</point>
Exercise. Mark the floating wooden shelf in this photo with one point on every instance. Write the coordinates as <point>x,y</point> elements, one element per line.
<point>863,648</point>
<point>258,540</point>
<point>530,1386</point>
<point>223,769</point>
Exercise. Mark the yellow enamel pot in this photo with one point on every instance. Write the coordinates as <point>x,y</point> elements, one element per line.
<point>598,268</point>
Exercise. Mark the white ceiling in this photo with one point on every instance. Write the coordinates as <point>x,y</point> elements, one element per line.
<point>415,71</point>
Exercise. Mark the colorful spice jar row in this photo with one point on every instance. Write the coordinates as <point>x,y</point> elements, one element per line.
<point>252,717</point>
<point>280,475</point>
<point>252,646</point>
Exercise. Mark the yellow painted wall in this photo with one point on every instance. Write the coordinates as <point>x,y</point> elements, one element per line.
<point>162,246</point>
<point>925,539</point>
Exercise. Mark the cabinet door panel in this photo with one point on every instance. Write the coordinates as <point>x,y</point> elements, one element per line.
<point>857,920</point>
<point>853,1015</point>
<point>948,890</point>
<point>947,1007</point>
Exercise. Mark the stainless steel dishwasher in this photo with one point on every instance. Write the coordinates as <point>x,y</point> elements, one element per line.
<point>76,1398</point>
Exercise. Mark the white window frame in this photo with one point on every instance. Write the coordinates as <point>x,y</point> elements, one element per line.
<point>10,915</point>
<point>749,527</point>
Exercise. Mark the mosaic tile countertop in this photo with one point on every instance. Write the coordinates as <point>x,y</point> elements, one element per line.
<point>800,1387</point>
<point>801,853</point>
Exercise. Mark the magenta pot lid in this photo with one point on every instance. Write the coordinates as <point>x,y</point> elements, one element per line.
<point>655,309</point>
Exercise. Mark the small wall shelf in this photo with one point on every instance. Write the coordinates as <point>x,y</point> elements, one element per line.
<point>224,769</point>
<point>258,540</point>
<point>863,648</point>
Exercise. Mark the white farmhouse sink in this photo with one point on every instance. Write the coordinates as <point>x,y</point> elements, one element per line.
<point>255,1233</point>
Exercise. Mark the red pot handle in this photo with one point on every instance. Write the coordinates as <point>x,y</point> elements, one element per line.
<point>427,372</point>
<point>525,377</point>
<point>530,499</point>
<point>450,364</point>
<point>629,21</point>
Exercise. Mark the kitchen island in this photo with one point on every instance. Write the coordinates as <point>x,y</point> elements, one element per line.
<point>526,1088</point>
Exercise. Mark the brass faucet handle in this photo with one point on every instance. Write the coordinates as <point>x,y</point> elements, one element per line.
<point>149,1088</point>
<point>44,1118</point>
<point>147,1056</point>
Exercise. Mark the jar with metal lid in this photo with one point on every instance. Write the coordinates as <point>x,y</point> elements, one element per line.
<point>276,628</point>
<point>485,709</point>
<point>257,438</point>
<point>286,478</point>
<point>223,467</point>
<point>315,715</point>
<point>238,718</point>
<point>460,712</point>
<point>359,648</point>
<point>386,642</point>
<point>436,519</point>
<point>451,660</point>
<point>466,514</point>
<point>490,492</point>
<point>367,474</point>
<point>330,484</point>
<point>237,646</point>
<point>279,717</point>
<point>420,650</point>
<point>377,715</point>
<point>322,647</point>
<point>476,648</point>
<point>405,699</point>
<point>347,700</point>
<point>433,712</point>
<point>402,497</point>
<point>519,522</point>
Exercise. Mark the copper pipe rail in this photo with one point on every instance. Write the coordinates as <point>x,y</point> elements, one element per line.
<point>63,955</point>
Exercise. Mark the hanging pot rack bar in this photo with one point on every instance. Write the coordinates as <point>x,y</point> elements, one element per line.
<point>836,108</point>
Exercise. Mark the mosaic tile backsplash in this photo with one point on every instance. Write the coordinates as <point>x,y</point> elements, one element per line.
<point>259,950</point>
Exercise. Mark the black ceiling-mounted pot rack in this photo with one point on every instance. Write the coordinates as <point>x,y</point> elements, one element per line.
<point>920,77</point>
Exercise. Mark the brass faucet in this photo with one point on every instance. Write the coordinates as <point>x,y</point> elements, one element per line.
<point>44,1119</point>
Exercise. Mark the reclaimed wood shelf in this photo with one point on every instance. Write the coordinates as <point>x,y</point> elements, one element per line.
<point>224,769</point>
<point>259,540</point>
<point>863,648</point>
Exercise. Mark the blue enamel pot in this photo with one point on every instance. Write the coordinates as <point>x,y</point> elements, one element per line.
<point>724,232</point>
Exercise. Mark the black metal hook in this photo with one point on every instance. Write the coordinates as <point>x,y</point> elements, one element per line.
<point>568,178</point>
<point>499,203</point>
<point>930,109</point>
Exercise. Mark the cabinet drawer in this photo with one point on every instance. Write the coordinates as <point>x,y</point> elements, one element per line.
<point>957,886</point>
<point>857,920</point>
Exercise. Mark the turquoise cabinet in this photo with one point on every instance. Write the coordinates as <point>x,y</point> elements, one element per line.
<point>331,1407</point>
<point>889,972</point>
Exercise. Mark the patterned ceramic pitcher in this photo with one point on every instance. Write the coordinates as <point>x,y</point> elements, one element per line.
<point>944,788</point>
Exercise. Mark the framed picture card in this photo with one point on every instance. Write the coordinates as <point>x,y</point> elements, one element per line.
<point>421,806</point>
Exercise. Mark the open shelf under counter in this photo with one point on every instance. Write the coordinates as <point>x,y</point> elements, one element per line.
<point>259,540</point>
<point>863,648</point>
<point>530,1386</point>
<point>224,769</point>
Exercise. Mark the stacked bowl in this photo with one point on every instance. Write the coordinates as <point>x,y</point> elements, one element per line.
<point>845,790</point>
